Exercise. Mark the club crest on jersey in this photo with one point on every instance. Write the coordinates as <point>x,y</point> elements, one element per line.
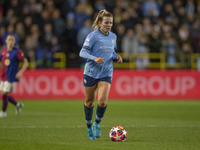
<point>7,55</point>
<point>113,41</point>
<point>86,44</point>
<point>85,81</point>
<point>7,62</point>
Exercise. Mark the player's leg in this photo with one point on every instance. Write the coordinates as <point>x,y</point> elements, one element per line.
<point>18,105</point>
<point>13,101</point>
<point>90,93</point>
<point>103,92</point>
<point>90,85</point>
<point>4,99</point>
<point>10,98</point>
<point>4,105</point>
<point>7,87</point>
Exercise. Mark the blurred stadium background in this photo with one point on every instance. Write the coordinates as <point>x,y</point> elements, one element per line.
<point>160,44</point>
<point>152,34</point>
<point>158,39</point>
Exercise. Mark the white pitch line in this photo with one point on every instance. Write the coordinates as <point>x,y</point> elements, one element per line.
<point>33,127</point>
<point>81,126</point>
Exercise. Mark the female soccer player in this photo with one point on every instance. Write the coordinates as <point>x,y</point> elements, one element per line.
<point>99,50</point>
<point>10,57</point>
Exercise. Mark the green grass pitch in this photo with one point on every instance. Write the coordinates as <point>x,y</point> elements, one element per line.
<point>60,125</point>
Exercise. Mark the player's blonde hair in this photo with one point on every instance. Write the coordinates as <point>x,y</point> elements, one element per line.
<point>99,18</point>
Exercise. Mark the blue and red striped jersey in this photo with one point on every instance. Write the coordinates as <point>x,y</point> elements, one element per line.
<point>10,63</point>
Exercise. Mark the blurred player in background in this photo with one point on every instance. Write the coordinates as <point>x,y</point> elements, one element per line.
<point>10,57</point>
<point>99,50</point>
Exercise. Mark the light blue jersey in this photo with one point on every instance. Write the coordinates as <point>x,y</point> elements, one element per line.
<point>99,45</point>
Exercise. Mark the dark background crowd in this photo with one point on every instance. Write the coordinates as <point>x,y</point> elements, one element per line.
<point>44,27</point>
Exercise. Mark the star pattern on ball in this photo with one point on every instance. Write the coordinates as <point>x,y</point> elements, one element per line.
<point>125,132</point>
<point>116,129</point>
<point>117,138</point>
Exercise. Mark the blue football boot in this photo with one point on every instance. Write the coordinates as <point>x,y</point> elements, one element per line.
<point>91,134</point>
<point>97,130</point>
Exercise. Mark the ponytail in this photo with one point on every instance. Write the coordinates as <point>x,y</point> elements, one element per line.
<point>101,14</point>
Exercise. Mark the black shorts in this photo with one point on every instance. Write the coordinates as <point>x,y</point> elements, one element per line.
<point>89,81</point>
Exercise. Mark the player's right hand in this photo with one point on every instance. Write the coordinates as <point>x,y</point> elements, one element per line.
<point>99,60</point>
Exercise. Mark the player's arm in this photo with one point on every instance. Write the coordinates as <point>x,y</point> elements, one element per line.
<point>117,57</point>
<point>86,49</point>
<point>24,67</point>
<point>84,53</point>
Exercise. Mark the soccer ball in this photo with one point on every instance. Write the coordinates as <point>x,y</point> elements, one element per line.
<point>118,134</point>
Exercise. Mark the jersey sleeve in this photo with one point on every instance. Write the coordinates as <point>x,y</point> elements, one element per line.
<point>114,55</point>
<point>20,55</point>
<point>87,46</point>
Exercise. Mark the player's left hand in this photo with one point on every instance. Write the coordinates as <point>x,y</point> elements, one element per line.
<point>19,75</point>
<point>119,59</point>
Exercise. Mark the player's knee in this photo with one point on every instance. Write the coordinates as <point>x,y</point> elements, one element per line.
<point>89,103</point>
<point>5,93</point>
<point>102,103</point>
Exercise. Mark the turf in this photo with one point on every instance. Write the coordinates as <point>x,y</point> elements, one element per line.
<point>60,125</point>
